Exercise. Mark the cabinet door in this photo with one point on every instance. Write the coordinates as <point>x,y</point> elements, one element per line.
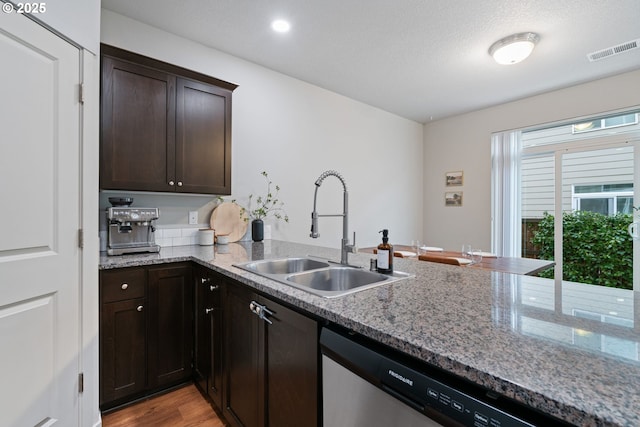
<point>122,350</point>
<point>216,339</point>
<point>202,332</point>
<point>271,366</point>
<point>291,366</point>
<point>207,360</point>
<point>243,383</point>
<point>203,138</point>
<point>137,150</point>
<point>170,330</point>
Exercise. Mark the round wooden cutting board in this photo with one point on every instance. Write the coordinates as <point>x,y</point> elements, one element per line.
<point>226,219</point>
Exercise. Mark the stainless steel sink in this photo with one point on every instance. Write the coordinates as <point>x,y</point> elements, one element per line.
<point>284,266</point>
<point>319,277</point>
<point>336,279</point>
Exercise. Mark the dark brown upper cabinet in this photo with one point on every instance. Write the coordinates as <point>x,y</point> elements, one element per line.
<point>163,127</point>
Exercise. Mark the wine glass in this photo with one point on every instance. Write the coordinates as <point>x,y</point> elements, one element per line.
<point>415,247</point>
<point>466,251</point>
<point>476,256</point>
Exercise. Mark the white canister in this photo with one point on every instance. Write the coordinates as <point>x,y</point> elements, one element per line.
<point>223,239</point>
<point>206,236</point>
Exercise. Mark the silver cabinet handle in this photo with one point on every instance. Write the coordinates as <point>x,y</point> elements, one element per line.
<point>179,183</point>
<point>124,286</point>
<point>262,311</point>
<point>208,310</point>
<point>266,311</point>
<point>171,183</point>
<point>208,280</point>
<point>139,308</point>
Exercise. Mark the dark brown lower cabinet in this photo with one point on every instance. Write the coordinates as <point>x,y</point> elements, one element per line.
<point>123,345</point>
<point>166,324</point>
<point>122,349</point>
<point>242,376</point>
<point>146,331</point>
<point>291,365</point>
<point>170,325</point>
<point>271,370</point>
<point>207,357</point>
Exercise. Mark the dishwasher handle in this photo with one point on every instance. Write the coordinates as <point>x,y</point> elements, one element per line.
<point>403,398</point>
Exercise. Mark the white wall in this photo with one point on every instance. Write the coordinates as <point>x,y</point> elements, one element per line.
<point>464,143</point>
<point>295,131</point>
<point>77,20</point>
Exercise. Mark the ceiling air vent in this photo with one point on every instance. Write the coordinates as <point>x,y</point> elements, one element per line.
<point>615,50</point>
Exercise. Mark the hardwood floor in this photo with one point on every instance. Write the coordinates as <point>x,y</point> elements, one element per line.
<point>184,407</point>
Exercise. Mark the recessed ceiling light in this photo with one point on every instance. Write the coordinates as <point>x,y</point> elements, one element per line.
<point>513,49</point>
<point>280,26</point>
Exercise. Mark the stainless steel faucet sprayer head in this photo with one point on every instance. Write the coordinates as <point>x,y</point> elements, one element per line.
<point>314,225</point>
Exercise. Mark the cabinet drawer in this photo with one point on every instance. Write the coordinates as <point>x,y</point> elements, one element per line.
<point>122,284</point>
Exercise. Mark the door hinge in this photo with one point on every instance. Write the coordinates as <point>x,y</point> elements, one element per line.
<point>81,94</point>
<point>80,382</point>
<point>80,238</point>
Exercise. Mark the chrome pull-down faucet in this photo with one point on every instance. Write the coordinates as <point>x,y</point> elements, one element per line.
<point>346,247</point>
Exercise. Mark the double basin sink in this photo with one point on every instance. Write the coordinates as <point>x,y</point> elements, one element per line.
<point>321,278</point>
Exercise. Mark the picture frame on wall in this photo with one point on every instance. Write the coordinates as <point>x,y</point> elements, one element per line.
<point>454,179</point>
<point>453,198</point>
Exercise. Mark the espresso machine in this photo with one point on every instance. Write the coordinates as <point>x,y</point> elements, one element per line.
<point>131,230</point>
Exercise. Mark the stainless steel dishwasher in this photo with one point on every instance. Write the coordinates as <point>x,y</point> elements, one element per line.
<point>368,385</point>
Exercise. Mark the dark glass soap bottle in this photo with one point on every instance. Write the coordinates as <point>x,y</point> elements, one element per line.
<point>385,254</point>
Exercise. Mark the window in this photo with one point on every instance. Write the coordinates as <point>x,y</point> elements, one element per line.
<point>557,180</point>
<point>605,123</point>
<point>607,199</point>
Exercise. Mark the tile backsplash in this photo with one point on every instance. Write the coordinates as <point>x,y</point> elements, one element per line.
<point>176,236</point>
<point>168,236</point>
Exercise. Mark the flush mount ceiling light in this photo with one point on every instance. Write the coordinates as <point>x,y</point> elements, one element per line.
<point>280,26</point>
<point>583,126</point>
<point>513,49</point>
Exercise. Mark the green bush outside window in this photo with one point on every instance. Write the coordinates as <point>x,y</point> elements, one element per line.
<point>597,249</point>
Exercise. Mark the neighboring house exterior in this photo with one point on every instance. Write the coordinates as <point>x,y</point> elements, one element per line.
<point>599,180</point>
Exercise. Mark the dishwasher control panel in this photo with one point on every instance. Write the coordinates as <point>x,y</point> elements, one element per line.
<point>455,404</point>
<point>424,391</point>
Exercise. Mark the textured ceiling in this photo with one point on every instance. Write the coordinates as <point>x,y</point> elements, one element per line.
<point>420,59</point>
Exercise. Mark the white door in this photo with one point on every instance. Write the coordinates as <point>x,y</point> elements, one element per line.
<point>39,221</point>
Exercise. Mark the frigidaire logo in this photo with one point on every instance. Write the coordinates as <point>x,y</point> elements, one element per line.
<point>400,377</point>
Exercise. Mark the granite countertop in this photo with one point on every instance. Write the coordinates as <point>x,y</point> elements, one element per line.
<point>571,351</point>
